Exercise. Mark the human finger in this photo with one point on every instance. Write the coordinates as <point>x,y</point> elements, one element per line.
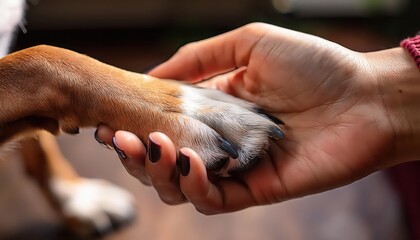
<point>132,153</point>
<point>206,58</point>
<point>162,170</point>
<point>104,135</point>
<point>224,195</point>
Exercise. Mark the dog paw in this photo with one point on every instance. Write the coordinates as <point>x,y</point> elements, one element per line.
<point>229,134</point>
<point>92,206</point>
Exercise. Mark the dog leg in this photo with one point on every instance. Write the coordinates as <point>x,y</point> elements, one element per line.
<point>52,88</point>
<point>87,206</point>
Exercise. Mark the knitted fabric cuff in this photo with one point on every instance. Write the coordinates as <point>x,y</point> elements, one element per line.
<point>413,47</point>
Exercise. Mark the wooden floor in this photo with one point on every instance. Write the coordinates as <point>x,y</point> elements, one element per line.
<point>367,209</point>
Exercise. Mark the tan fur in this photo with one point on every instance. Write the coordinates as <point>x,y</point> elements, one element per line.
<point>48,88</point>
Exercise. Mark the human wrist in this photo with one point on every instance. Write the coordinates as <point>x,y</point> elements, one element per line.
<point>398,81</point>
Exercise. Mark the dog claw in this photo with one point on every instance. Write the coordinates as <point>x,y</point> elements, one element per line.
<point>219,165</point>
<point>276,133</point>
<point>269,116</point>
<point>228,148</point>
<point>73,131</point>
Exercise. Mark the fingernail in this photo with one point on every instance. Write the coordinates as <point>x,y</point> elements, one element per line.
<point>276,133</point>
<point>228,147</point>
<point>120,152</point>
<point>100,141</point>
<point>154,151</point>
<point>184,164</point>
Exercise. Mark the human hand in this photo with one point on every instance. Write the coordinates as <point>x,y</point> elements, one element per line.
<point>337,124</point>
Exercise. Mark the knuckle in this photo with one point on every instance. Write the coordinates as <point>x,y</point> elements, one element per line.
<point>146,181</point>
<point>172,200</point>
<point>206,211</point>
<point>255,26</point>
<point>256,31</point>
<point>135,172</point>
<point>207,208</point>
<point>187,48</point>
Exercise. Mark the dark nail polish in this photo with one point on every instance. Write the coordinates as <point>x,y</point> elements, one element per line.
<point>228,147</point>
<point>95,135</point>
<point>276,133</point>
<point>154,151</point>
<point>184,164</point>
<point>120,152</point>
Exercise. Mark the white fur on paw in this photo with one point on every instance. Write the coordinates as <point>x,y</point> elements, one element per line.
<point>94,203</point>
<point>246,131</point>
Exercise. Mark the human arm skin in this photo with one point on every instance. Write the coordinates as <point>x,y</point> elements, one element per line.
<point>398,84</point>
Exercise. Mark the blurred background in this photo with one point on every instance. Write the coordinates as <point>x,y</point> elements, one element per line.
<point>139,34</point>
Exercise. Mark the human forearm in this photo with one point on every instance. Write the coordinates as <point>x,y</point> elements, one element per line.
<point>398,81</point>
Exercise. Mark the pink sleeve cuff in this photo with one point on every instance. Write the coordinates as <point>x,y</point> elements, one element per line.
<point>413,47</point>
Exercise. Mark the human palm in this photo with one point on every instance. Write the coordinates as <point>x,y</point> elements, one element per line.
<point>331,138</point>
